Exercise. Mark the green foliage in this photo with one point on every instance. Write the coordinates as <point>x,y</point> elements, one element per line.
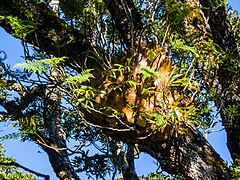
<point>29,124</point>
<point>79,79</point>
<point>21,28</point>
<point>234,18</point>
<point>11,172</point>
<point>97,165</point>
<point>83,93</point>
<point>117,70</point>
<point>161,176</point>
<point>82,12</point>
<point>11,136</point>
<point>217,3</point>
<point>232,112</point>
<point>131,83</point>
<point>40,66</point>
<point>160,120</point>
<point>147,72</point>
<point>235,169</point>
<point>155,176</point>
<point>176,13</point>
<point>186,83</point>
<point>179,45</point>
<point>165,23</point>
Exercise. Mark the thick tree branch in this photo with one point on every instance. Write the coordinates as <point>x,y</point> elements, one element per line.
<point>56,134</point>
<point>127,19</point>
<point>219,24</point>
<point>51,34</point>
<point>189,154</point>
<point>54,141</point>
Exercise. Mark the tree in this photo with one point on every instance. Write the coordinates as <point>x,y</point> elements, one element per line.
<point>140,75</point>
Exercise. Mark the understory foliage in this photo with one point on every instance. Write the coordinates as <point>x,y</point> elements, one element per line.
<point>11,172</point>
<point>162,78</point>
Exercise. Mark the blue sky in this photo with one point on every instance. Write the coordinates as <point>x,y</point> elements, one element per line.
<point>30,155</point>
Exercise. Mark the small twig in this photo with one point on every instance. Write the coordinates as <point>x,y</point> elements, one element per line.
<point>62,149</point>
<point>209,130</point>
<point>191,77</point>
<point>9,125</point>
<point>77,148</point>
<point>110,116</point>
<point>145,137</point>
<point>165,35</point>
<point>105,127</point>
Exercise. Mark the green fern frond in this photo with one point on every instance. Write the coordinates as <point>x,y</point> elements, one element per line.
<point>42,65</point>
<point>35,66</point>
<point>79,79</point>
<point>53,61</point>
<point>11,136</point>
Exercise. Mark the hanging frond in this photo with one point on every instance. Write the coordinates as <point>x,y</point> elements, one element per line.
<point>42,65</point>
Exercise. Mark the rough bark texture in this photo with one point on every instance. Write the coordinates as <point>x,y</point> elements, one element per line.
<point>56,147</point>
<point>125,161</point>
<point>188,154</point>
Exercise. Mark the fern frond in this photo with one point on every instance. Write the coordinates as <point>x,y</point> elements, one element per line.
<point>35,66</point>
<point>79,79</point>
<point>42,65</point>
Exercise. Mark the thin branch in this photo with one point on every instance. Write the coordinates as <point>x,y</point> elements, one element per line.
<point>129,128</point>
<point>8,126</point>
<point>46,177</point>
<point>210,130</point>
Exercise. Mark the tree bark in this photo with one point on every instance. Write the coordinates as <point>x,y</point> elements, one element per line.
<point>55,145</point>
<point>53,138</point>
<point>53,142</point>
<point>50,33</point>
<point>227,76</point>
<point>125,161</point>
<point>188,155</point>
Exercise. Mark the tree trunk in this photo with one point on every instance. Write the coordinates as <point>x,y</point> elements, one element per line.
<point>228,75</point>
<point>55,144</point>
<point>125,161</point>
<point>128,21</point>
<point>188,155</point>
